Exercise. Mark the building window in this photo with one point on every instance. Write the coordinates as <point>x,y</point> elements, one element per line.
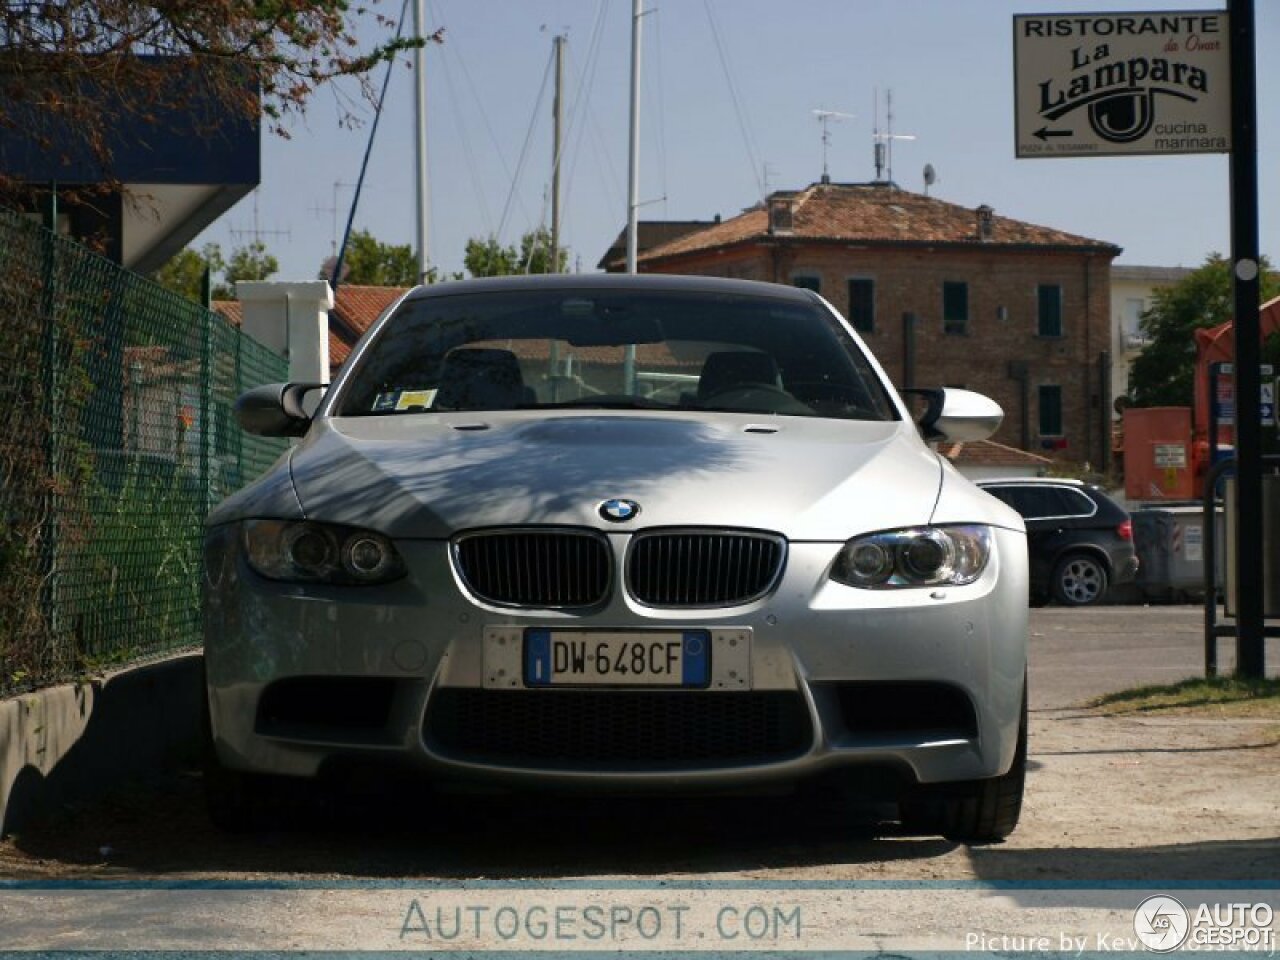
<point>1050,411</point>
<point>1131,324</point>
<point>808,282</point>
<point>955,307</point>
<point>862,304</point>
<point>1050,310</point>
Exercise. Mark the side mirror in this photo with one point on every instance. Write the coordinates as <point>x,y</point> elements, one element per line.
<point>958,416</point>
<point>275,410</point>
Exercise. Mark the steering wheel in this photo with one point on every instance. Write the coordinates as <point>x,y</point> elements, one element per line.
<point>842,397</point>
<point>755,398</point>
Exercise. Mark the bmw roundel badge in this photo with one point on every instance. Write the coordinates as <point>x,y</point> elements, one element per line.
<point>619,511</point>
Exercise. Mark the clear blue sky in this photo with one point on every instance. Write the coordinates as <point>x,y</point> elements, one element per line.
<point>948,63</point>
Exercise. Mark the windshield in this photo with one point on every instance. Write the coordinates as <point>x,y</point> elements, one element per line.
<point>614,349</point>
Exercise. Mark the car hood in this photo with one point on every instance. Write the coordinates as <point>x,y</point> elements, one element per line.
<point>431,476</point>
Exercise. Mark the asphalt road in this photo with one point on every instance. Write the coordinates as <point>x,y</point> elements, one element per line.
<point>1076,655</point>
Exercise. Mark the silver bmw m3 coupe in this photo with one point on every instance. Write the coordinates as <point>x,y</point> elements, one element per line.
<point>626,534</point>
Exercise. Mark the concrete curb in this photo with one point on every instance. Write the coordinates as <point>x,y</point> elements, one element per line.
<point>72,741</point>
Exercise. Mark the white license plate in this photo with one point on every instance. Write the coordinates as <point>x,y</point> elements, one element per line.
<point>568,658</point>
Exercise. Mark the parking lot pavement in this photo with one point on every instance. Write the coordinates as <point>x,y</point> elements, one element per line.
<point>1078,654</point>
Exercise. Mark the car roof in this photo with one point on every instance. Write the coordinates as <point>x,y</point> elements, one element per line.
<point>670,283</point>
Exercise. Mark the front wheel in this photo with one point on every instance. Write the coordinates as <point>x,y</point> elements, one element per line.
<point>1079,580</point>
<point>975,811</point>
<point>236,802</point>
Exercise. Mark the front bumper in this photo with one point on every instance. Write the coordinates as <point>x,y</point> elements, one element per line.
<point>840,679</point>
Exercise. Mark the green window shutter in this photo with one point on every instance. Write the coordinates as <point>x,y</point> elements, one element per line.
<point>862,304</point>
<point>1049,314</point>
<point>955,307</point>
<point>1050,411</point>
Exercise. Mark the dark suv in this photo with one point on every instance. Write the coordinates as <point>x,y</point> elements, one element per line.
<point>1080,541</point>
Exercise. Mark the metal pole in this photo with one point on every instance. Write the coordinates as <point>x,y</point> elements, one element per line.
<point>558,120</point>
<point>420,140</point>
<point>633,172</point>
<point>50,605</point>
<point>1244,259</point>
<point>633,178</point>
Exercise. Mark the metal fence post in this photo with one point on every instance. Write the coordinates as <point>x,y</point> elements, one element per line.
<point>206,410</point>
<point>52,384</point>
<point>239,387</point>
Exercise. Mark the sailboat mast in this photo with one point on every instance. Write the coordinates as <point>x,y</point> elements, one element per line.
<point>633,188</point>
<point>420,140</point>
<point>558,120</point>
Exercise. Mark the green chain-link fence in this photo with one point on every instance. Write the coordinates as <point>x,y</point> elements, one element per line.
<point>116,436</point>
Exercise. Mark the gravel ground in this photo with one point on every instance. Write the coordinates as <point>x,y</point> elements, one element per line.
<point>1108,798</point>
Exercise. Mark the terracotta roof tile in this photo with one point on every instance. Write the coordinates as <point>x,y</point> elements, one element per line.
<point>230,310</point>
<point>876,214</point>
<point>355,309</point>
<point>358,306</point>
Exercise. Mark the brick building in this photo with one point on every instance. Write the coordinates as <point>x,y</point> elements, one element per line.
<point>943,294</point>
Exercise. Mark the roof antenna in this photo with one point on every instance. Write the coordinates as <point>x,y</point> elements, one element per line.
<point>883,142</point>
<point>825,117</point>
<point>930,177</point>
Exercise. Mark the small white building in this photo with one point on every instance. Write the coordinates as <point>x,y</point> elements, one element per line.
<point>1132,291</point>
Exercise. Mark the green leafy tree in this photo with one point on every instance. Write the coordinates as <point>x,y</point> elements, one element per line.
<point>1164,373</point>
<point>251,263</point>
<point>184,273</point>
<point>536,255</point>
<point>369,261</point>
<point>489,258</point>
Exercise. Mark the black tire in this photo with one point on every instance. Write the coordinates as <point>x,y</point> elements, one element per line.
<point>235,801</point>
<point>1079,579</point>
<point>973,811</point>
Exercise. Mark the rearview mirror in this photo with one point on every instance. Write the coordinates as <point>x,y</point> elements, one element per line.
<point>585,323</point>
<point>276,409</point>
<point>958,416</point>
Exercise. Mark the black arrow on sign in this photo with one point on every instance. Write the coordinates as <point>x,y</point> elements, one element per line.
<point>1044,133</point>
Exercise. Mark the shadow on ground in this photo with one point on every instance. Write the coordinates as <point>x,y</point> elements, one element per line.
<point>161,830</point>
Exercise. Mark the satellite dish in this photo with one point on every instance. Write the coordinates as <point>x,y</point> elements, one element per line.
<point>930,177</point>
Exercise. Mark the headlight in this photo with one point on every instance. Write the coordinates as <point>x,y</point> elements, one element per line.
<point>919,557</point>
<point>307,552</point>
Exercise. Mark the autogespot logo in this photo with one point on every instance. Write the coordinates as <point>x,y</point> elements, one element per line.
<point>1161,923</point>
